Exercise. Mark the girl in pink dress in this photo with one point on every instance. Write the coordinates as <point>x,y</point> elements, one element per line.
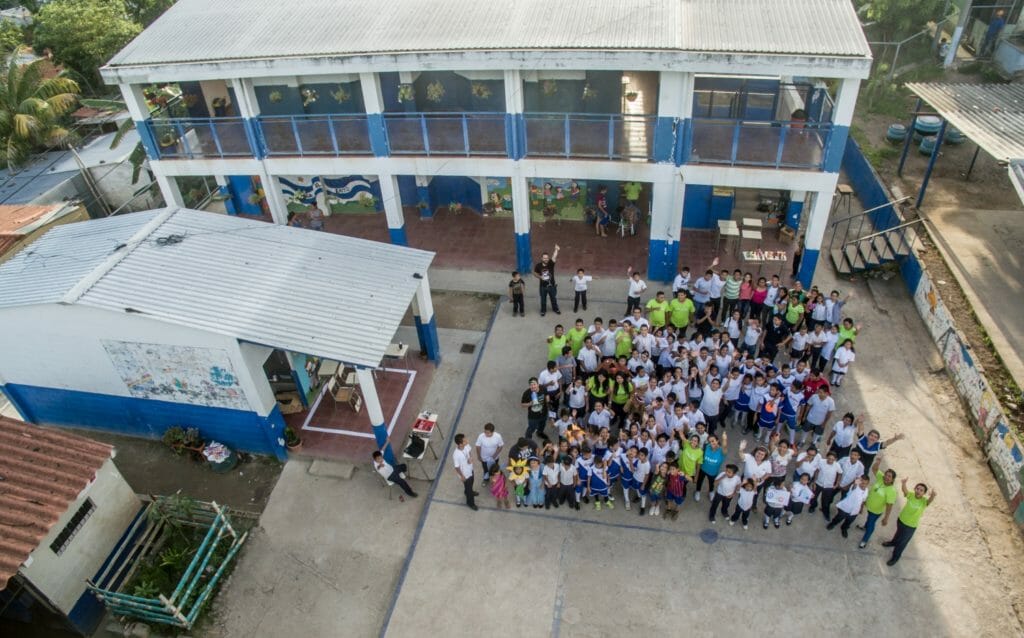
<point>499,487</point>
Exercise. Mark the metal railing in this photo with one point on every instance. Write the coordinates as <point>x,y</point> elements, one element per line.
<point>306,135</point>
<point>776,144</point>
<point>878,217</point>
<point>197,138</point>
<point>611,136</point>
<point>467,134</point>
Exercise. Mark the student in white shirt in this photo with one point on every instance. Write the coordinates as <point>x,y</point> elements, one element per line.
<point>744,502</point>
<point>776,500</point>
<point>550,381</point>
<point>845,355</point>
<point>751,338</point>
<point>579,285</point>
<point>681,282</point>
<point>462,459</point>
<point>727,483</point>
<point>394,474</point>
<point>799,495</point>
<point>711,403</point>
<point>844,434</point>
<point>825,484</point>
<point>550,474</point>
<point>488,447</point>
<point>637,286</point>
<point>852,469</point>
<point>644,341</point>
<point>850,507</point>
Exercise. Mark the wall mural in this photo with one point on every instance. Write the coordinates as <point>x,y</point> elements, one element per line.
<point>181,374</point>
<point>351,194</point>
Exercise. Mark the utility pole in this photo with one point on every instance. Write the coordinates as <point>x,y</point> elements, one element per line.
<point>957,34</point>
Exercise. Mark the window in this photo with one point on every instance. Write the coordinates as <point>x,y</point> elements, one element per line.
<point>77,521</point>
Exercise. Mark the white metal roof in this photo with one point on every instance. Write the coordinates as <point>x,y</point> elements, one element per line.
<point>311,292</point>
<point>204,31</point>
<point>990,115</point>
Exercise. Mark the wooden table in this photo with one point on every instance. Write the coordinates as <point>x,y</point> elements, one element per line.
<point>398,351</point>
<point>726,228</point>
<point>424,427</point>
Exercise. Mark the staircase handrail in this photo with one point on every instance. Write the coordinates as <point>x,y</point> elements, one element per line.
<point>834,224</point>
<point>882,232</point>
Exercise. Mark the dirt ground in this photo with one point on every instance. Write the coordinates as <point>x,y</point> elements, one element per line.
<point>150,467</point>
<point>460,310</point>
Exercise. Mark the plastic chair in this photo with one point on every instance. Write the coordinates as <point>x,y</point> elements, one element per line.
<point>388,485</point>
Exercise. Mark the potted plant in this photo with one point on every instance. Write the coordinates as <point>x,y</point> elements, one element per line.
<point>190,99</point>
<point>340,95</point>
<point>292,441</point>
<point>798,118</point>
<point>168,139</point>
<point>255,199</point>
<point>631,96</point>
<point>435,91</point>
<point>309,96</point>
<point>406,93</point>
<point>588,92</point>
<point>275,97</point>
<point>480,90</point>
<point>368,201</point>
<point>549,87</point>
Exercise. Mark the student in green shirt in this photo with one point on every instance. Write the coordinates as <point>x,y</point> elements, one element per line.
<point>556,342</point>
<point>795,311</point>
<point>690,458</point>
<point>681,310</point>
<point>577,335</point>
<point>909,518</point>
<point>624,342</point>
<point>881,498</point>
<point>656,309</point>
<point>848,331</point>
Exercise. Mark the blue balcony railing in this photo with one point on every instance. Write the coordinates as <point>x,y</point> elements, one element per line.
<point>589,136</point>
<point>744,143</point>
<point>303,135</point>
<point>197,138</point>
<point>446,133</point>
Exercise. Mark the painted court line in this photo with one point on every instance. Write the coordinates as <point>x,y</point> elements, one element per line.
<point>365,435</point>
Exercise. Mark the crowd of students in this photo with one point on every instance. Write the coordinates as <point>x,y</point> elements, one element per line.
<point>640,409</point>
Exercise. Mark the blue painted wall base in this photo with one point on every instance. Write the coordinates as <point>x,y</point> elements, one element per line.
<point>426,332</point>
<point>793,213</point>
<point>808,263</point>
<point>662,259</point>
<point>665,140</point>
<point>149,418</point>
<point>398,237</point>
<point>524,255</point>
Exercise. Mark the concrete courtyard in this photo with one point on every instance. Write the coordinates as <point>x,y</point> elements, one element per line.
<point>335,557</point>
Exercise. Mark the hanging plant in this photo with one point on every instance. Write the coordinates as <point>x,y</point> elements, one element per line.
<point>435,91</point>
<point>632,96</point>
<point>481,90</point>
<point>550,87</point>
<point>190,99</point>
<point>406,93</point>
<point>309,96</point>
<point>588,92</point>
<point>219,102</point>
<point>275,97</point>
<point>341,95</point>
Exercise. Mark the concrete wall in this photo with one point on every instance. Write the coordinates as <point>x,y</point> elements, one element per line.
<point>115,186</point>
<point>62,578</point>
<point>1002,447</point>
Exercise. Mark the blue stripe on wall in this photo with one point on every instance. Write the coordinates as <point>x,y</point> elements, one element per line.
<point>661,261</point>
<point>793,213</point>
<point>664,140</point>
<point>835,149</point>
<point>524,256</point>
<point>433,345</point>
<point>149,418</point>
<point>808,263</point>
<point>398,236</point>
<point>148,143</point>
<point>378,134</point>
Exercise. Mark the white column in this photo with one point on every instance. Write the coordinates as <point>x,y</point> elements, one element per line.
<point>675,94</point>
<point>368,388</point>
<point>521,223</point>
<point>392,201</point>
<point>372,97</point>
<point>846,102</point>
<point>821,205</point>
<point>245,97</point>
<point>169,188</point>
<point>513,92</point>
<point>666,222</point>
<point>275,200</point>
<point>135,101</point>
<point>958,33</point>
<point>426,325</point>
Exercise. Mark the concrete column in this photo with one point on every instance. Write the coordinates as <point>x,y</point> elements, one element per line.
<point>249,110</point>
<point>666,222</point>
<point>426,323</point>
<point>842,115</point>
<point>795,209</point>
<point>275,200</point>
<point>138,108</point>
<point>392,200</point>
<point>169,188</point>
<point>374,102</point>
<point>821,204</point>
<point>423,196</point>
<point>515,125</point>
<point>958,33</point>
<point>368,388</point>
<point>521,219</point>
<point>675,109</point>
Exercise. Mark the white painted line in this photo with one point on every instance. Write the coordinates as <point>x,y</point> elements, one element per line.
<point>362,435</point>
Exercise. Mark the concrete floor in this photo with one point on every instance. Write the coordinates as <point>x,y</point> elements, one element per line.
<point>985,249</point>
<point>335,557</point>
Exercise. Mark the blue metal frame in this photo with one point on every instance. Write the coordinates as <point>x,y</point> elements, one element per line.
<point>822,132</point>
<point>329,119</point>
<point>204,126</point>
<point>565,120</point>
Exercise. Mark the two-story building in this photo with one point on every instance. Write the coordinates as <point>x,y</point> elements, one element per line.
<point>509,108</point>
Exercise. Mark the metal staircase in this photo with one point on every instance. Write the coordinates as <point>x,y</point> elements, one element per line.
<point>852,251</point>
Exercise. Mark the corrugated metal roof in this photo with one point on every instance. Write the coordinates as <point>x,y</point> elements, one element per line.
<point>990,115</point>
<point>198,30</point>
<point>42,474</point>
<point>47,269</point>
<point>311,292</point>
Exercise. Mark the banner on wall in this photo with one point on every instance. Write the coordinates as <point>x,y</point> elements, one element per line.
<point>565,197</point>
<point>499,195</point>
<point>350,194</point>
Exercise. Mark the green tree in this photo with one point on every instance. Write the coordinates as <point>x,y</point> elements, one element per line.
<point>84,34</point>
<point>11,37</point>
<point>146,11</point>
<point>31,106</point>
<point>897,19</point>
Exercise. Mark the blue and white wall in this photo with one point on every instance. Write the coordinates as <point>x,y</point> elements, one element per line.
<point>56,371</point>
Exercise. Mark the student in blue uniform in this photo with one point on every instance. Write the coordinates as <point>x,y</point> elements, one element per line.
<point>598,484</point>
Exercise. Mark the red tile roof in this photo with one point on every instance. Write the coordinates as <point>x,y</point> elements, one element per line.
<point>15,217</point>
<point>42,472</point>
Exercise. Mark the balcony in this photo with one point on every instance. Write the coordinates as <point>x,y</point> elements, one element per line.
<point>312,135</point>
<point>465,134</point>
<point>200,138</point>
<point>754,143</point>
<point>576,135</point>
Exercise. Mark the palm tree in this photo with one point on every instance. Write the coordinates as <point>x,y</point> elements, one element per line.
<point>31,106</point>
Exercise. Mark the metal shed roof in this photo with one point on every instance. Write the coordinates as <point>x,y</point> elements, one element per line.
<point>991,115</point>
<point>201,31</point>
<point>311,292</point>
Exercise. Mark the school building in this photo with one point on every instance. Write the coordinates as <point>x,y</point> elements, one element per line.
<point>511,113</point>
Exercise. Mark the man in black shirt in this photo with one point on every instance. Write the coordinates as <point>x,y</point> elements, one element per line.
<point>536,404</point>
<point>544,271</point>
<point>774,337</point>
